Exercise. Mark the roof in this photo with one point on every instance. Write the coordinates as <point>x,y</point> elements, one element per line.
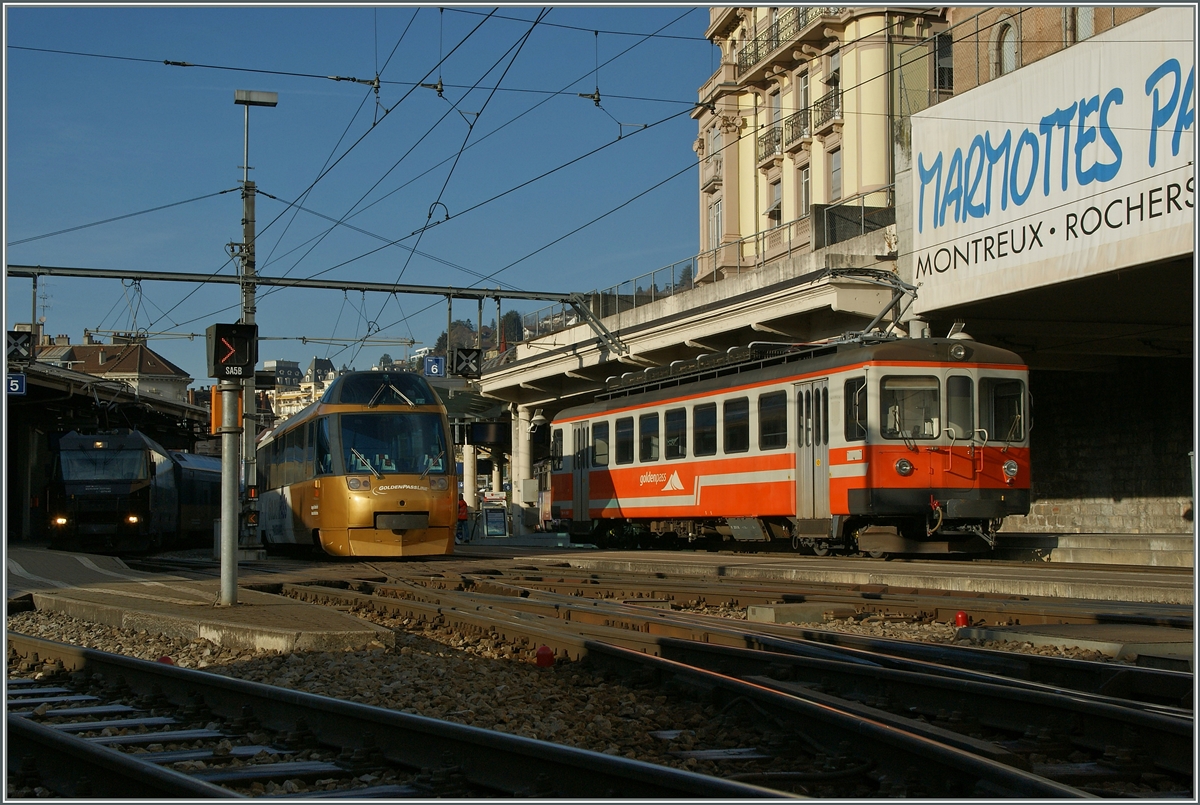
<point>133,359</point>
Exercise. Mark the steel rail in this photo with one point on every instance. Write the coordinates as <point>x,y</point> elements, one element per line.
<point>1015,707</point>
<point>939,770</point>
<point>1153,688</point>
<point>1095,725</point>
<point>75,768</point>
<point>490,759</point>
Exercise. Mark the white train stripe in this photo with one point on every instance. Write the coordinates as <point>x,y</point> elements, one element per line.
<point>848,470</point>
<point>701,481</point>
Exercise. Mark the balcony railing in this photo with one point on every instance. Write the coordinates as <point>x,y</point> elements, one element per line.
<point>785,29</point>
<point>797,126</point>
<point>770,143</point>
<point>827,109</point>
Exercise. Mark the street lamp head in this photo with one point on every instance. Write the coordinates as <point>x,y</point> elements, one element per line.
<point>252,97</point>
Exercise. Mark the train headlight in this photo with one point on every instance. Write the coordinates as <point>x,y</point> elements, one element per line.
<point>958,352</point>
<point>353,483</point>
<point>60,520</point>
<point>439,484</point>
<point>1010,468</point>
<point>904,467</point>
<point>132,519</point>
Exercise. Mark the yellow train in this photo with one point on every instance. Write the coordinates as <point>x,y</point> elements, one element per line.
<point>367,470</point>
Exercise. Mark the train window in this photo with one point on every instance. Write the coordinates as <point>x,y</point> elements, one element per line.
<point>772,421</point>
<point>310,450</point>
<point>324,454</point>
<point>625,440</point>
<point>556,449</point>
<point>856,409</point>
<point>825,416</point>
<point>676,433</point>
<point>737,425</point>
<point>960,406</point>
<point>704,427</point>
<point>648,437</point>
<point>291,456</point>
<point>1002,408</point>
<point>394,442</point>
<point>600,444</point>
<point>909,407</point>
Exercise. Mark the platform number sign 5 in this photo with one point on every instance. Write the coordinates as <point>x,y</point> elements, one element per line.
<point>16,384</point>
<point>435,367</point>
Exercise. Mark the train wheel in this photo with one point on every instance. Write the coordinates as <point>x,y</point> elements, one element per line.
<point>821,548</point>
<point>876,554</point>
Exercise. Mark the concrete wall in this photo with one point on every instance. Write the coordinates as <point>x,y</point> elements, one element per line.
<point>1110,451</point>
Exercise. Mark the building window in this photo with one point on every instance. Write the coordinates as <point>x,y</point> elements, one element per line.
<point>1004,57</point>
<point>945,62</point>
<point>835,175</point>
<point>775,108</point>
<point>802,96</point>
<point>805,191</point>
<point>775,208</point>
<point>715,144</point>
<point>1080,23</point>
<point>714,223</point>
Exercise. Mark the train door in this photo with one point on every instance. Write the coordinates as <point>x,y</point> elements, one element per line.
<point>579,476</point>
<point>812,450</point>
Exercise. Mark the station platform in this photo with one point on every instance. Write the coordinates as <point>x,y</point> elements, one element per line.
<point>101,589</point>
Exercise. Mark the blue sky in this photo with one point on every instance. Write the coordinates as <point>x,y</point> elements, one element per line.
<point>98,127</point>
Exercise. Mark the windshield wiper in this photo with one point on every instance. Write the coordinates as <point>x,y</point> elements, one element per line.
<point>401,395</point>
<point>435,460</point>
<point>375,398</point>
<point>370,466</point>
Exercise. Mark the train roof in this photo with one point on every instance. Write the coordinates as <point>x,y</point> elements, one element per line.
<point>197,462</point>
<point>768,361</point>
<point>380,388</point>
<point>116,439</point>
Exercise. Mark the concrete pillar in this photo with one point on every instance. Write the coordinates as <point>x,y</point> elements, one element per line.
<point>523,468</point>
<point>470,492</point>
<point>497,480</point>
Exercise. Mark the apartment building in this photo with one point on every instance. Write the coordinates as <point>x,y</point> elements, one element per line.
<point>795,128</point>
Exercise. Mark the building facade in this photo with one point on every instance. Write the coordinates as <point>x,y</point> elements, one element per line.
<point>795,128</point>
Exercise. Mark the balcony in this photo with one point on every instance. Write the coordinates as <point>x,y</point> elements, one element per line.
<point>827,113</point>
<point>797,131</point>
<point>710,173</point>
<point>770,145</point>
<point>790,25</point>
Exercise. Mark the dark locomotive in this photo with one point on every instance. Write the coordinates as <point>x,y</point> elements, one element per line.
<point>120,491</point>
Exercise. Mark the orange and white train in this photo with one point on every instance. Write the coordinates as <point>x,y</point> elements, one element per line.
<point>872,445</point>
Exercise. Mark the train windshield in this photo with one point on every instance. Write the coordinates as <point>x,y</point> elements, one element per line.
<point>909,407</point>
<point>394,443</point>
<point>103,465</point>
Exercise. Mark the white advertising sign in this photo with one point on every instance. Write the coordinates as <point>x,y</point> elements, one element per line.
<point>1076,165</point>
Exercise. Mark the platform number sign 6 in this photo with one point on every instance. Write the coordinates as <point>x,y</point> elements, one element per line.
<point>435,367</point>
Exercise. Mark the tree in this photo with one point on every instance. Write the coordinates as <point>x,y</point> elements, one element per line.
<point>511,329</point>
<point>462,334</point>
<point>385,361</point>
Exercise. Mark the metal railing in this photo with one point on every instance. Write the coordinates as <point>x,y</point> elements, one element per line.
<point>780,32</point>
<point>865,212</point>
<point>797,126</point>
<point>828,107</point>
<point>770,143</point>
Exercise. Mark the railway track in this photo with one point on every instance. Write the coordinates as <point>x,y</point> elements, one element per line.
<point>104,725</point>
<point>1076,738</point>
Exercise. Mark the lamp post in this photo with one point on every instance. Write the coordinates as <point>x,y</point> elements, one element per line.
<point>248,98</point>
